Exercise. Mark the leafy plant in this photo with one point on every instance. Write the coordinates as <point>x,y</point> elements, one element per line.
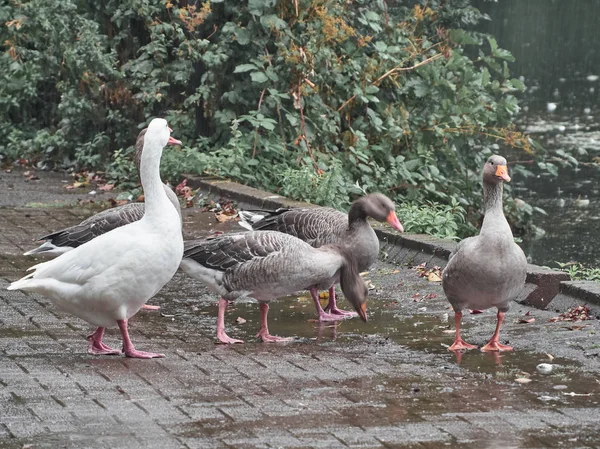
<point>316,99</point>
<point>579,272</point>
<point>439,220</point>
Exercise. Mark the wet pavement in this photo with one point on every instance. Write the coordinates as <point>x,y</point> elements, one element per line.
<point>389,383</point>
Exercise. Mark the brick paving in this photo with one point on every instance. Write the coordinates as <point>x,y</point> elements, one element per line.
<point>389,383</point>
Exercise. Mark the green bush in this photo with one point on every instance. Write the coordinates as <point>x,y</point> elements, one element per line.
<point>316,99</point>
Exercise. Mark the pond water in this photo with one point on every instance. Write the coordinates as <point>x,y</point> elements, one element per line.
<point>556,44</point>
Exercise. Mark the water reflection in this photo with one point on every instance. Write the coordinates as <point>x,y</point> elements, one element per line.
<point>555,44</point>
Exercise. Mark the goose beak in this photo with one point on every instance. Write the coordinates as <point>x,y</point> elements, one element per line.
<point>173,141</point>
<point>393,221</point>
<point>502,172</point>
<point>362,311</point>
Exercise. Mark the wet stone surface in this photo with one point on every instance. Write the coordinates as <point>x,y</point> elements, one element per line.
<point>389,383</point>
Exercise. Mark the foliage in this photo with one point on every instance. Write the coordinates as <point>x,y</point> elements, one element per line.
<point>316,99</point>
<point>440,220</point>
<point>580,272</point>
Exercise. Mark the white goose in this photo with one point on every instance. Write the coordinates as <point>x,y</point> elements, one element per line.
<point>109,279</point>
<point>66,239</point>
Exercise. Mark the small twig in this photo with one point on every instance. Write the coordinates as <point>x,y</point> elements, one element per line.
<point>398,68</point>
<point>215,28</point>
<point>262,94</point>
<point>303,127</point>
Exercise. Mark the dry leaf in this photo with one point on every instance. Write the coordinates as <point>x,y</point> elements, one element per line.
<point>523,380</point>
<point>475,311</point>
<point>324,295</point>
<point>449,331</point>
<point>240,320</point>
<point>550,356</point>
<point>524,321</point>
<point>222,217</point>
<point>395,271</point>
<point>431,296</point>
<point>434,277</point>
<point>106,187</point>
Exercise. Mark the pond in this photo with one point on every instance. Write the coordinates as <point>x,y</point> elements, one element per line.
<point>556,44</point>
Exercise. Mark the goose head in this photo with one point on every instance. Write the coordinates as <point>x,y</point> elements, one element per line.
<point>495,170</point>
<point>379,207</point>
<point>139,146</point>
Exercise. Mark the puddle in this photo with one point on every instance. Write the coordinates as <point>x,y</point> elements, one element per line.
<point>294,316</point>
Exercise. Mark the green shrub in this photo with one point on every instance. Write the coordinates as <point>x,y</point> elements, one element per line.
<point>316,99</point>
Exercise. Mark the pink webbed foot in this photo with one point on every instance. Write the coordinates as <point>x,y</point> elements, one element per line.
<point>340,312</point>
<point>460,344</point>
<point>330,317</point>
<point>135,354</point>
<point>96,347</point>
<point>496,346</point>
<point>128,348</point>
<point>225,339</point>
<point>332,307</point>
<point>268,338</point>
<point>149,307</point>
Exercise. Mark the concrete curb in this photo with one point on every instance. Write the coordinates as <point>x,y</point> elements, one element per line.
<point>543,284</point>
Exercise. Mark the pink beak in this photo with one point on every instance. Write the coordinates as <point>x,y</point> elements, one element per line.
<point>393,221</point>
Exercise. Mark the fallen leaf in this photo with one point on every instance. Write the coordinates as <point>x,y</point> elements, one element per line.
<point>395,271</point>
<point>475,311</point>
<point>550,356</point>
<point>324,295</point>
<point>524,321</point>
<point>431,296</point>
<point>106,187</point>
<point>434,277</point>
<point>222,217</point>
<point>523,380</point>
<point>240,320</point>
<point>448,331</point>
<point>27,173</point>
<point>579,313</point>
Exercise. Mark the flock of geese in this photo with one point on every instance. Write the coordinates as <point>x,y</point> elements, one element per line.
<point>111,264</point>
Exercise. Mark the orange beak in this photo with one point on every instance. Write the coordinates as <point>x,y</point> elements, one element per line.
<point>393,221</point>
<point>362,312</point>
<point>502,172</point>
<point>173,141</point>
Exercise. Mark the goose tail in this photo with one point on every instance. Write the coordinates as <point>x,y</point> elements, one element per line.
<point>48,248</point>
<point>22,283</point>
<point>352,284</point>
<point>248,218</point>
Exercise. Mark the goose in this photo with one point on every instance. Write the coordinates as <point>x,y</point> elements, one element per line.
<point>487,270</point>
<point>108,279</point>
<point>266,265</point>
<point>324,226</point>
<point>64,240</point>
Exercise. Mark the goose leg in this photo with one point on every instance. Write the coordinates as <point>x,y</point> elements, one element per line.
<point>149,307</point>
<point>128,347</point>
<point>221,335</point>
<point>459,343</point>
<point>96,347</point>
<point>323,316</point>
<point>332,306</point>
<point>494,343</point>
<point>263,333</point>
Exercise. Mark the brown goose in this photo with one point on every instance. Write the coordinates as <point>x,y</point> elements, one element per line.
<point>65,240</point>
<point>326,226</point>
<point>487,270</point>
<point>266,265</point>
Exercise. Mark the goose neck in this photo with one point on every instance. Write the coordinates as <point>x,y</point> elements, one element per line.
<point>154,193</point>
<point>494,222</point>
<point>357,215</point>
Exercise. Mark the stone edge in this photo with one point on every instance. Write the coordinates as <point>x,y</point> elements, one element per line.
<point>545,288</point>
